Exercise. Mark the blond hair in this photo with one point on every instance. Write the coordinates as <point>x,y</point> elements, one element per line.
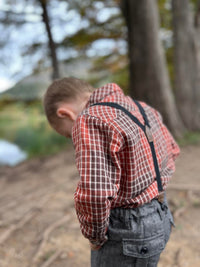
<point>61,90</point>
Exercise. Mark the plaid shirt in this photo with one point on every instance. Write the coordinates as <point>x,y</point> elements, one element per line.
<point>114,159</point>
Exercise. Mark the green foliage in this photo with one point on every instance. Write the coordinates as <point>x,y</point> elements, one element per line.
<point>165,11</point>
<point>36,141</point>
<point>164,7</point>
<point>85,37</point>
<point>170,65</point>
<point>121,77</point>
<point>190,138</point>
<point>26,126</point>
<point>25,91</point>
<point>113,28</point>
<point>195,4</point>
<point>115,70</point>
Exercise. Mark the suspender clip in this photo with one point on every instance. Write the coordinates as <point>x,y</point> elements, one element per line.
<point>148,133</point>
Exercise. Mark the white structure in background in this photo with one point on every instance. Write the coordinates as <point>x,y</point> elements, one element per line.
<point>5,84</point>
<point>10,154</point>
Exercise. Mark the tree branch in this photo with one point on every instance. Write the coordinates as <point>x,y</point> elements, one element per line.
<point>52,258</point>
<point>17,226</point>
<point>46,235</point>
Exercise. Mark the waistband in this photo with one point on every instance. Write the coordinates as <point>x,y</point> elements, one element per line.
<point>159,202</point>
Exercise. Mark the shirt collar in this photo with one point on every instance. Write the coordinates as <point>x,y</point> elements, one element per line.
<point>100,93</point>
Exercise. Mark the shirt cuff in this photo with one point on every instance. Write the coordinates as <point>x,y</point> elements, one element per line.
<point>99,242</point>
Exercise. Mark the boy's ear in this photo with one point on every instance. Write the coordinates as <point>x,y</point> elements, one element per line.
<point>63,112</point>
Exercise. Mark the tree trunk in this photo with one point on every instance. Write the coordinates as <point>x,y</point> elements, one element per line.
<point>149,79</point>
<point>52,46</point>
<point>187,63</point>
<point>197,49</point>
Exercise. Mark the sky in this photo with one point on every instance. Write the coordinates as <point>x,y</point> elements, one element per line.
<point>14,65</point>
<point>5,84</point>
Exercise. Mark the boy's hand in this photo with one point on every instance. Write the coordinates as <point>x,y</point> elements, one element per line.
<point>94,247</point>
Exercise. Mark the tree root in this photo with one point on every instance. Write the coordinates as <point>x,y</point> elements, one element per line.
<point>46,235</point>
<point>179,212</point>
<point>52,258</point>
<point>17,226</point>
<point>177,258</point>
<point>184,187</point>
<point>27,197</point>
<point>35,208</point>
<point>22,221</point>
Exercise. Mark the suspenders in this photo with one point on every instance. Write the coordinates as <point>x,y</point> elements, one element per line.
<point>146,129</point>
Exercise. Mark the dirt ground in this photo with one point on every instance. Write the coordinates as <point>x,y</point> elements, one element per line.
<point>38,224</point>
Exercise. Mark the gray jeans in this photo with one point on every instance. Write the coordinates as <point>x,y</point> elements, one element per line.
<point>136,237</point>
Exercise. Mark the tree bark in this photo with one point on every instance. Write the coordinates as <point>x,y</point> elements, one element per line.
<point>52,45</point>
<point>197,47</point>
<point>187,63</point>
<point>149,80</point>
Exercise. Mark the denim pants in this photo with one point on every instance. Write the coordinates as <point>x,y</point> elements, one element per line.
<point>136,237</point>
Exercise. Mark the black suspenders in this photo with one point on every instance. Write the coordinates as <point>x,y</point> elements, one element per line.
<point>146,129</point>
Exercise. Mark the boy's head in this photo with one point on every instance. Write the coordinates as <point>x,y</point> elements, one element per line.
<point>64,99</point>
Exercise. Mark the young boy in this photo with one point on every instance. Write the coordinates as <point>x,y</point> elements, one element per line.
<point>125,156</point>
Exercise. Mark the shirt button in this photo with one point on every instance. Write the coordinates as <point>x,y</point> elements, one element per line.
<point>144,250</point>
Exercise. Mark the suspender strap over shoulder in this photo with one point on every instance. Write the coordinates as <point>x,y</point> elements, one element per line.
<point>146,129</point>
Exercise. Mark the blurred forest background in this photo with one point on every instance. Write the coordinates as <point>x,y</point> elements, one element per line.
<point>150,48</point>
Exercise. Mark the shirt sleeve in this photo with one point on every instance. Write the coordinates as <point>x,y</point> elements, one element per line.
<point>172,151</point>
<point>97,146</point>
<point>173,147</point>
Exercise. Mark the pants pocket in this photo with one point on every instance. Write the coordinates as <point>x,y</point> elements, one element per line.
<point>144,248</point>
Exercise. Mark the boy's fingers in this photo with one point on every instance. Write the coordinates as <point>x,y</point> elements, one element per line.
<point>94,247</point>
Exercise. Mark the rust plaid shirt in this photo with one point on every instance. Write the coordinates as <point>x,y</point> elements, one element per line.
<point>114,159</point>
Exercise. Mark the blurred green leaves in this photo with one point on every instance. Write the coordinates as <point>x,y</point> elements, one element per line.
<point>26,126</point>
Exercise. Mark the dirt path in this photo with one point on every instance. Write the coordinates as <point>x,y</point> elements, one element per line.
<point>39,228</point>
